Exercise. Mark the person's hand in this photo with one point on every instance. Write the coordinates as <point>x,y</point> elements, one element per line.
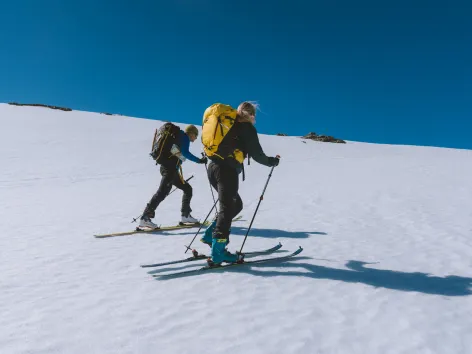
<point>204,160</point>
<point>274,161</point>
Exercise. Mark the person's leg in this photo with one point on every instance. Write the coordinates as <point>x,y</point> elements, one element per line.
<point>162,192</point>
<point>227,186</point>
<point>237,205</point>
<point>186,197</point>
<point>212,173</point>
<point>230,203</point>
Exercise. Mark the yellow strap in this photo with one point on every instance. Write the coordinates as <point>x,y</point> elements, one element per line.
<point>160,152</point>
<point>154,140</point>
<point>181,174</point>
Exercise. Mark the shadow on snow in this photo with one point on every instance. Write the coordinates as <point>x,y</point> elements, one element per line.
<point>273,233</point>
<point>255,232</point>
<point>450,285</point>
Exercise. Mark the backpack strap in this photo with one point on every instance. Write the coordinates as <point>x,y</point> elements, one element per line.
<point>181,174</point>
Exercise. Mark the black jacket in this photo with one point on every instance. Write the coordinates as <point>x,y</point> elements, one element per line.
<point>243,136</point>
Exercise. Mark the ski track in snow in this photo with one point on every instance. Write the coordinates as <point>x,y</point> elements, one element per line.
<point>386,266</point>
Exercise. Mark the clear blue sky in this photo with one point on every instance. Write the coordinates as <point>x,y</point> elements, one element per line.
<point>377,71</point>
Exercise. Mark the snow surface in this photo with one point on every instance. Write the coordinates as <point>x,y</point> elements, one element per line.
<point>386,232</point>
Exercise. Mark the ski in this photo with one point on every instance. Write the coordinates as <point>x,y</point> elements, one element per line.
<point>159,229</point>
<point>220,267</point>
<point>197,257</point>
<point>150,231</point>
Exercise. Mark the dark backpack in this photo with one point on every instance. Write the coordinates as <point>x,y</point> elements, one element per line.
<point>164,138</point>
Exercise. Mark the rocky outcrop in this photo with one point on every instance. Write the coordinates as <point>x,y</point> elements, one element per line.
<point>324,138</point>
<point>40,105</point>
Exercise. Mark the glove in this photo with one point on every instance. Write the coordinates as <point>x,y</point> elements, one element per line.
<point>204,159</point>
<point>274,161</point>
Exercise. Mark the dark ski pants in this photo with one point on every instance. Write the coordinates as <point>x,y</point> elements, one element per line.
<point>170,177</point>
<point>226,182</point>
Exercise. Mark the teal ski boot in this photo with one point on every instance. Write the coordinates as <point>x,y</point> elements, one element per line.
<point>220,254</point>
<point>208,235</point>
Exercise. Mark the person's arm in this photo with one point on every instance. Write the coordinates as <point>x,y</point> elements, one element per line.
<point>184,148</point>
<point>253,146</point>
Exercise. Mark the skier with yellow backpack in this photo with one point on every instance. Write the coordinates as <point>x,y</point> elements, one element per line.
<point>228,137</point>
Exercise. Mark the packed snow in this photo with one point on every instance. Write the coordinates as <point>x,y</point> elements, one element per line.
<point>386,233</point>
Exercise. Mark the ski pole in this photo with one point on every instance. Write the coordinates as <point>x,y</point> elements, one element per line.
<point>188,179</point>
<point>257,208</point>
<point>201,225</point>
<point>211,188</point>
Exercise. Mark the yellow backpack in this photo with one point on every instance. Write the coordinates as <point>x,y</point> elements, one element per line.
<point>218,120</point>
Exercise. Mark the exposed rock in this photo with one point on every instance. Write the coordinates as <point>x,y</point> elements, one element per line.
<point>324,138</point>
<point>281,134</point>
<point>40,105</point>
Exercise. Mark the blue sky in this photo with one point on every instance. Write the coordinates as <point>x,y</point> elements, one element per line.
<point>395,72</point>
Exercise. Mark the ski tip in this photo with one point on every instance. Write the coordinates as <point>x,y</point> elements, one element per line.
<point>103,236</point>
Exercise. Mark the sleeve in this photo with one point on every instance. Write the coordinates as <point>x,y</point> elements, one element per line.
<point>184,148</point>
<point>253,146</point>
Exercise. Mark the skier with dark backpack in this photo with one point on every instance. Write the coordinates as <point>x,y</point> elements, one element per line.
<point>228,137</point>
<point>170,148</point>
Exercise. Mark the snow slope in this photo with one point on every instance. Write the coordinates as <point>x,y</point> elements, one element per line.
<point>386,232</point>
